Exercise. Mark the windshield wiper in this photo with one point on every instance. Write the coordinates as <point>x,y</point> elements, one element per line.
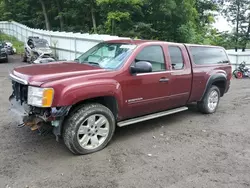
<point>94,63</point>
<point>222,62</point>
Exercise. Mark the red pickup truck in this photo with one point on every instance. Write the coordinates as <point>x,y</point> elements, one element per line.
<point>118,83</point>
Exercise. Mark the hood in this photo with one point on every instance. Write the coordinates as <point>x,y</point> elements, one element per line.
<point>41,73</point>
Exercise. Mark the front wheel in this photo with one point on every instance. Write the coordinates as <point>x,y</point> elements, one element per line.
<point>25,58</point>
<point>210,101</point>
<point>89,129</point>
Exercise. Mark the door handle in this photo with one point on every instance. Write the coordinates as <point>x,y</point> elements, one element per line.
<point>164,80</point>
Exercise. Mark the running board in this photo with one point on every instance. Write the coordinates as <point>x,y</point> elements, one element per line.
<point>151,116</point>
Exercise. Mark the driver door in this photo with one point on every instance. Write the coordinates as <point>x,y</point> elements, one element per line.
<point>147,93</point>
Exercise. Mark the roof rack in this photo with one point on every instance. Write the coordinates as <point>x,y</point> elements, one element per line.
<point>32,37</point>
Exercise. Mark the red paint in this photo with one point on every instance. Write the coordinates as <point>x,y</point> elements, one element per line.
<point>239,75</point>
<point>75,82</point>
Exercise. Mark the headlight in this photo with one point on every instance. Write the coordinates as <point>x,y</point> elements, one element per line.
<point>40,97</point>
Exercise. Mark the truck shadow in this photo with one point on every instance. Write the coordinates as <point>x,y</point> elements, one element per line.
<point>123,133</point>
<point>47,144</point>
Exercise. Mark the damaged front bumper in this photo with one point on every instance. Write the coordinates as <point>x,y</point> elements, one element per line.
<point>39,118</point>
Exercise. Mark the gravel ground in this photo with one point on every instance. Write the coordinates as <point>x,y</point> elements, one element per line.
<point>182,150</point>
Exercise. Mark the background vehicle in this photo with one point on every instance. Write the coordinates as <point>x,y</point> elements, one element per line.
<point>36,48</point>
<point>242,71</point>
<point>118,83</point>
<point>9,47</point>
<point>3,53</point>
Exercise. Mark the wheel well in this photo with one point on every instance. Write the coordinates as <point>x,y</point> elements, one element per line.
<point>109,101</point>
<point>221,85</point>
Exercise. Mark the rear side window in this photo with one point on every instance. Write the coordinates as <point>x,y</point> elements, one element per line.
<point>154,55</point>
<point>208,55</point>
<point>176,57</point>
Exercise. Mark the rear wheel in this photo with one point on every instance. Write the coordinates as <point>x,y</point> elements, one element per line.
<point>210,101</point>
<point>89,129</point>
<point>238,74</point>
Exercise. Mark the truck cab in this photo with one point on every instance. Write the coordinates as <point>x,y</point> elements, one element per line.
<point>118,83</point>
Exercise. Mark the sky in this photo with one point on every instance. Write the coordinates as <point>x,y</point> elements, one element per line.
<point>222,24</point>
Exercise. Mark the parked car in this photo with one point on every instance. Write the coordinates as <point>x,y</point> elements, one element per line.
<point>3,53</point>
<point>118,83</point>
<point>36,48</point>
<point>9,47</point>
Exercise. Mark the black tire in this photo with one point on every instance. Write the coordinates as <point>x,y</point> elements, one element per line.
<point>74,121</point>
<point>6,60</point>
<point>234,73</point>
<point>24,57</point>
<point>203,106</point>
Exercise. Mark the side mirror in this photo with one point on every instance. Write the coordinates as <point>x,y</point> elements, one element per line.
<point>141,67</point>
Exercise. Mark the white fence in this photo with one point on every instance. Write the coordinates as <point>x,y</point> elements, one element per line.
<point>238,57</point>
<point>71,45</point>
<point>67,45</point>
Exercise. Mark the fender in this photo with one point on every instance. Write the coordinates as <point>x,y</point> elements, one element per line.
<point>75,93</point>
<point>214,78</point>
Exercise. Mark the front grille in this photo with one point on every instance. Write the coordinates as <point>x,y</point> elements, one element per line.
<point>20,92</point>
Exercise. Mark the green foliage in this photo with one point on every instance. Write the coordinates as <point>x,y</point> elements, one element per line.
<point>16,43</point>
<point>186,21</point>
<point>237,12</point>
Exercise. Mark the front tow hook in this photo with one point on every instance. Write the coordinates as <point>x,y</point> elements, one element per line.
<point>20,125</point>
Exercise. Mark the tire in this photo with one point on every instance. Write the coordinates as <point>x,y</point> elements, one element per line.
<point>24,57</point>
<point>235,73</point>
<point>81,119</point>
<point>238,74</point>
<point>205,105</point>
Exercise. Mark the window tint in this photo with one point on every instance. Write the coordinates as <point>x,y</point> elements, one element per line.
<point>208,55</point>
<point>154,55</point>
<point>176,57</point>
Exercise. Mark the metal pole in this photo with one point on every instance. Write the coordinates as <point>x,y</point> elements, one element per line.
<point>75,49</point>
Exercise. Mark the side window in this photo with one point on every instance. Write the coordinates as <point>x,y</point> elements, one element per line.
<point>153,55</point>
<point>208,55</point>
<point>176,57</point>
<point>29,42</point>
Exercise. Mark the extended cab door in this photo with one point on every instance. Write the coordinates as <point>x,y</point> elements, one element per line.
<point>148,92</point>
<point>181,75</point>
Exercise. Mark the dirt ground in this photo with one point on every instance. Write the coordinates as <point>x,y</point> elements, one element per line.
<point>182,150</point>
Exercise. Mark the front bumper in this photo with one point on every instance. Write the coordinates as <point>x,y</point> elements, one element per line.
<point>36,118</point>
<point>3,56</point>
<point>17,110</point>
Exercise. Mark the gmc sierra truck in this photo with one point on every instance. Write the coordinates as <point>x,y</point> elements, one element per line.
<point>118,83</point>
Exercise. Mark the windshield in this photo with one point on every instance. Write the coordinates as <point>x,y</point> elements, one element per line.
<point>41,44</point>
<point>107,55</point>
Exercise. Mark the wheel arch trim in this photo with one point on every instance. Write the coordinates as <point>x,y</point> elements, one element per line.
<point>212,79</point>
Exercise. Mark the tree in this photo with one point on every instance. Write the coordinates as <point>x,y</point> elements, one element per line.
<point>237,13</point>
<point>188,21</point>
<point>60,14</point>
<point>47,23</point>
